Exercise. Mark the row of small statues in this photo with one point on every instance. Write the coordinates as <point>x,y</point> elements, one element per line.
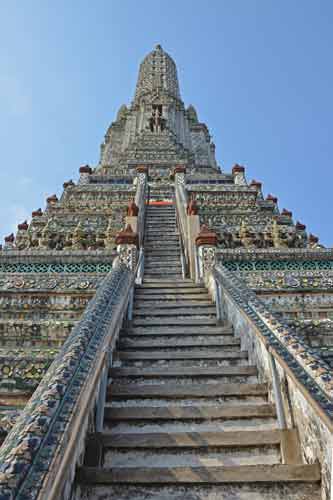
<point>79,239</point>
<point>272,237</point>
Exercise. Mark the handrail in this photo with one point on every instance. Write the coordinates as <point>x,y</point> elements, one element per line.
<point>310,373</point>
<point>35,448</point>
<point>181,205</point>
<point>140,199</point>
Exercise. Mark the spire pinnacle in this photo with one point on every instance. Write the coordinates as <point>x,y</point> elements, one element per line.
<point>157,71</point>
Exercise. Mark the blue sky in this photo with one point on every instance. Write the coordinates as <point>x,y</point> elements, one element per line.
<point>259,73</point>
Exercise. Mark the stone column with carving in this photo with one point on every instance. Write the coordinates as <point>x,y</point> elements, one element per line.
<point>179,173</point>
<point>127,247</point>
<point>140,200</point>
<point>193,230</point>
<point>85,171</point>
<point>206,243</point>
<point>131,218</point>
<point>238,173</point>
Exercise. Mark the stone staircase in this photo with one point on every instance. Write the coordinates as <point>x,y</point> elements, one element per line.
<point>186,417</point>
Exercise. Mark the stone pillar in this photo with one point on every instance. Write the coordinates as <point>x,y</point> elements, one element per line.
<point>9,242</point>
<point>85,171</point>
<point>193,230</point>
<point>132,216</point>
<point>238,173</point>
<point>257,185</point>
<point>142,178</point>
<point>179,173</point>
<point>127,246</point>
<point>206,243</point>
<point>51,201</point>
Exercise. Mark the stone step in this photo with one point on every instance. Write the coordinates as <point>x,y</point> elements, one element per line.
<point>156,253</point>
<point>172,295</point>
<point>154,246</point>
<point>161,214</point>
<point>181,440</point>
<point>172,343</point>
<point>192,321</point>
<point>159,231</point>
<point>180,331</point>
<point>171,284</point>
<point>151,269</point>
<point>142,303</point>
<point>184,341</point>
<point>149,277</point>
<point>225,371</point>
<point>162,263</point>
<point>158,222</point>
<point>171,299</point>
<point>160,226</point>
<point>175,257</point>
<point>168,246</point>
<point>161,235</point>
<point>275,474</point>
<point>176,391</point>
<point>185,311</point>
<point>181,354</point>
<point>197,413</point>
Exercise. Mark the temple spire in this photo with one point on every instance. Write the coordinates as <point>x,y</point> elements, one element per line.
<point>157,72</point>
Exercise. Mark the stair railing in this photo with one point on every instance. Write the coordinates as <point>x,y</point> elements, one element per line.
<point>39,456</point>
<point>181,207</point>
<point>299,377</point>
<point>142,199</point>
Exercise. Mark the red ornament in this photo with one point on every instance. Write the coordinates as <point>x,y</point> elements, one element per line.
<point>192,208</point>
<point>127,237</point>
<point>37,213</point>
<point>179,169</point>
<point>23,226</point>
<point>132,209</point>
<point>272,198</point>
<point>85,169</point>
<point>10,238</point>
<point>300,226</point>
<point>142,169</point>
<point>206,237</point>
<point>236,169</point>
<point>52,199</point>
<point>256,184</point>
<point>313,238</point>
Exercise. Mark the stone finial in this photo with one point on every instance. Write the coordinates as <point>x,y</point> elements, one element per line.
<point>67,184</point>
<point>300,226</point>
<point>37,213</point>
<point>256,184</point>
<point>179,169</point>
<point>10,238</point>
<point>192,208</point>
<point>238,173</point>
<point>313,240</point>
<point>85,169</point>
<point>272,198</point>
<point>127,237</point>
<point>286,213</point>
<point>9,242</point>
<point>206,237</point>
<point>23,226</point>
<point>237,169</point>
<point>51,200</point>
<point>132,209</point>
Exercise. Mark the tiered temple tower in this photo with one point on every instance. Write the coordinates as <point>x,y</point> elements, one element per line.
<point>202,366</point>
